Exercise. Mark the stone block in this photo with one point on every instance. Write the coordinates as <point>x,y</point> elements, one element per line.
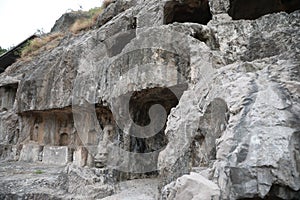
<point>192,186</point>
<point>80,156</point>
<point>30,152</point>
<point>56,155</point>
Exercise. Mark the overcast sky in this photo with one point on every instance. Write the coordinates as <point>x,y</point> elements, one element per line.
<point>20,19</point>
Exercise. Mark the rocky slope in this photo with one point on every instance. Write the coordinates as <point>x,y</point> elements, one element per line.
<point>226,75</point>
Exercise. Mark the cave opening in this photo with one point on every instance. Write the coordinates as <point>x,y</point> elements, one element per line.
<point>52,128</point>
<point>188,11</point>
<point>143,130</point>
<point>64,139</point>
<point>139,106</point>
<point>7,96</point>
<point>140,114</point>
<point>244,9</point>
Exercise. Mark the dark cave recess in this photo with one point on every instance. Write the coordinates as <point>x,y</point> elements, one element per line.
<point>188,11</point>
<point>253,9</point>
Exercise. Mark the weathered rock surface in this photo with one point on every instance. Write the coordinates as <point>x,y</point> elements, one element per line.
<point>35,181</point>
<point>139,189</point>
<point>233,117</point>
<point>193,186</point>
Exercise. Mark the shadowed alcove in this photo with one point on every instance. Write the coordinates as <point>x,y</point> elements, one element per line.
<point>139,105</point>
<point>196,11</point>
<point>245,9</point>
<point>64,139</point>
<point>140,140</point>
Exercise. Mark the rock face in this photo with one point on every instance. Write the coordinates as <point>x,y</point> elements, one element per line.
<point>162,89</point>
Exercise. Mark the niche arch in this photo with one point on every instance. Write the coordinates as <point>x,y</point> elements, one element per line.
<point>64,139</point>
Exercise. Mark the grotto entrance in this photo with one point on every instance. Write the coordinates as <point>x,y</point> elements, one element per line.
<point>196,11</point>
<point>7,96</point>
<point>139,106</point>
<point>49,136</point>
<point>9,132</point>
<point>245,9</point>
<point>139,110</point>
<point>64,139</point>
<point>53,127</point>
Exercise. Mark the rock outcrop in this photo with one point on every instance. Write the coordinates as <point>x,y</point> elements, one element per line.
<point>188,187</point>
<point>159,90</point>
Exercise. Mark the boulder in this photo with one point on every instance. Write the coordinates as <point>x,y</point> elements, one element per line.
<point>31,153</point>
<point>191,187</point>
<point>55,155</point>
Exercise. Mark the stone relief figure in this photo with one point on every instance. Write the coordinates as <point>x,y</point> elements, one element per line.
<point>66,133</point>
<point>102,149</point>
<point>72,141</point>
<point>35,132</point>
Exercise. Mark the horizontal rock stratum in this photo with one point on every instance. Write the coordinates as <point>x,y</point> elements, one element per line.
<point>170,100</point>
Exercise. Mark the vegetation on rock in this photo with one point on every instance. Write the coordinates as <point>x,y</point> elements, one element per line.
<point>39,44</point>
<point>86,23</point>
<point>90,21</point>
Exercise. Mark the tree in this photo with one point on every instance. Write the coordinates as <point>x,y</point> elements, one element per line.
<point>2,51</point>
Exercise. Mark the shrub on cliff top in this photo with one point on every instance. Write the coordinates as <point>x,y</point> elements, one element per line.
<point>90,21</point>
<point>86,23</point>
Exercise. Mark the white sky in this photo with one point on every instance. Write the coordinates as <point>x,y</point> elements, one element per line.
<point>20,19</point>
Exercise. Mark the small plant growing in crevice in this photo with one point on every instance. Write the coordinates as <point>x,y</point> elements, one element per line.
<point>38,171</point>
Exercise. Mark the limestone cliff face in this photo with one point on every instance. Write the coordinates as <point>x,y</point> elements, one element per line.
<point>227,77</point>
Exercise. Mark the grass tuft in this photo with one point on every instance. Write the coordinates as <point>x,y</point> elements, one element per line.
<point>81,24</point>
<point>47,42</point>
